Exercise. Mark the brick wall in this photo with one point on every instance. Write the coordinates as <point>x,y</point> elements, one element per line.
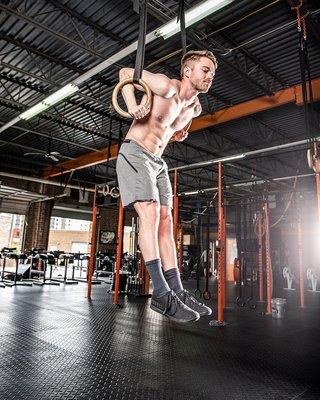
<point>63,240</point>
<point>38,225</point>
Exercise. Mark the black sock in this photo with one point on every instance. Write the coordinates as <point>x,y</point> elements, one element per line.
<point>160,286</point>
<point>173,278</point>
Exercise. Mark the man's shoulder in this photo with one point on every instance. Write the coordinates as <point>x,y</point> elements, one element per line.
<point>175,82</point>
<point>175,85</point>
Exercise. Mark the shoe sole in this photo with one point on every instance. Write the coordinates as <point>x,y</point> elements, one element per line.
<point>158,310</point>
<point>206,313</point>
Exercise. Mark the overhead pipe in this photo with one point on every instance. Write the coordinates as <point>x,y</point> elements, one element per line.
<point>241,156</point>
<point>45,181</point>
<point>247,183</point>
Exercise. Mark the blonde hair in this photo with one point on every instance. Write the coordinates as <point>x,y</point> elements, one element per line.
<point>195,55</point>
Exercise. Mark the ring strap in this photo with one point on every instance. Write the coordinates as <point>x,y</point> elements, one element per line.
<point>181,18</point>
<point>141,41</point>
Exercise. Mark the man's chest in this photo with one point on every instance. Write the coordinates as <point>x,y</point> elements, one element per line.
<point>172,111</point>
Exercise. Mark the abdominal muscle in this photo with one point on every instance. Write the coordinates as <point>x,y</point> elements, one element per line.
<point>149,137</point>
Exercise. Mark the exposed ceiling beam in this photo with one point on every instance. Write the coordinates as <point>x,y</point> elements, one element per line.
<point>292,94</point>
<point>87,160</point>
<point>285,96</point>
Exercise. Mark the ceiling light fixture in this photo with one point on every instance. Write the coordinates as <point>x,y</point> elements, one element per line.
<point>192,16</point>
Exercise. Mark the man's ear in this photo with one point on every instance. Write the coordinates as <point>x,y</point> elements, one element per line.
<point>187,71</point>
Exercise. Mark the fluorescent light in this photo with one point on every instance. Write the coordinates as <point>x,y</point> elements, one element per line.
<point>230,158</point>
<point>60,94</point>
<point>49,101</point>
<point>192,16</point>
<point>37,109</point>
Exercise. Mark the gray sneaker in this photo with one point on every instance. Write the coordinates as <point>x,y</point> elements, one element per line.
<point>171,306</point>
<point>192,302</point>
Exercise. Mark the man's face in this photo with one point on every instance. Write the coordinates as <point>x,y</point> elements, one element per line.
<point>201,74</point>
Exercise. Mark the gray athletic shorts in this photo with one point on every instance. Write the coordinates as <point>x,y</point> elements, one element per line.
<point>142,176</point>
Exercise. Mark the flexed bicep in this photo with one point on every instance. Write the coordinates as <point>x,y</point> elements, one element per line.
<point>159,84</point>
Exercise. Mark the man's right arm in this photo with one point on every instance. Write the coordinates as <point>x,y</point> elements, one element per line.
<point>158,83</point>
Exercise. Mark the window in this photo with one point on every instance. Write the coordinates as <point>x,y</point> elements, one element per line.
<point>11,232</point>
<point>69,235</point>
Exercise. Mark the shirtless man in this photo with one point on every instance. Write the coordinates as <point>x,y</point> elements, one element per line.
<point>143,174</point>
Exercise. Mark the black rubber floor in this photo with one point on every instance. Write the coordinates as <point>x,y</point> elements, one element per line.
<point>55,344</point>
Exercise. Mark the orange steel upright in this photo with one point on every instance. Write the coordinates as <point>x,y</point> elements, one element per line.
<point>221,270</point>
<point>221,275</point>
<point>180,252</point>
<point>268,259</point>
<point>93,243</point>
<point>224,255</point>
<point>260,256</point>
<point>175,207</point>
<point>119,254</point>
<point>318,193</point>
<point>300,260</point>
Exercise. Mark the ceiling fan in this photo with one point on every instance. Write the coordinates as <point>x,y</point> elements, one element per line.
<point>52,155</point>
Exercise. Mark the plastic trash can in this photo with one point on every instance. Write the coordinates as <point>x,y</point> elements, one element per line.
<point>278,307</point>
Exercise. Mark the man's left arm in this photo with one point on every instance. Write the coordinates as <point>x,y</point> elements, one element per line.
<point>182,135</point>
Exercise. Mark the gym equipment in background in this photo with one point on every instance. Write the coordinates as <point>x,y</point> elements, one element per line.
<point>313,277</point>
<point>289,277</point>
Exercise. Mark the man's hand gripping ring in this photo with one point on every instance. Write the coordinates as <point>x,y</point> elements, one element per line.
<point>119,87</point>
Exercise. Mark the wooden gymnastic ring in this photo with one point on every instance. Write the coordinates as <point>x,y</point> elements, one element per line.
<point>119,87</point>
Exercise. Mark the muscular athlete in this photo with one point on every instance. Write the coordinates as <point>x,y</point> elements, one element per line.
<point>143,174</point>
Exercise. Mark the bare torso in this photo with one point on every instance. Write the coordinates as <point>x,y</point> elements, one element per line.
<point>167,116</point>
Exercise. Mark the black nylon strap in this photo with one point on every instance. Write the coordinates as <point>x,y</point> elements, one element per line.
<point>141,41</point>
<point>181,18</point>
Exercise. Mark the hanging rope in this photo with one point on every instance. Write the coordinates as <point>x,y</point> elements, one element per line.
<point>297,10</point>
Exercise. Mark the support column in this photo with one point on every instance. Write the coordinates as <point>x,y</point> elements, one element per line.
<point>180,248</point>
<point>37,225</point>
<point>93,243</point>
<point>224,254</point>
<point>119,254</point>
<point>268,260</point>
<point>221,259</point>
<point>260,256</point>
